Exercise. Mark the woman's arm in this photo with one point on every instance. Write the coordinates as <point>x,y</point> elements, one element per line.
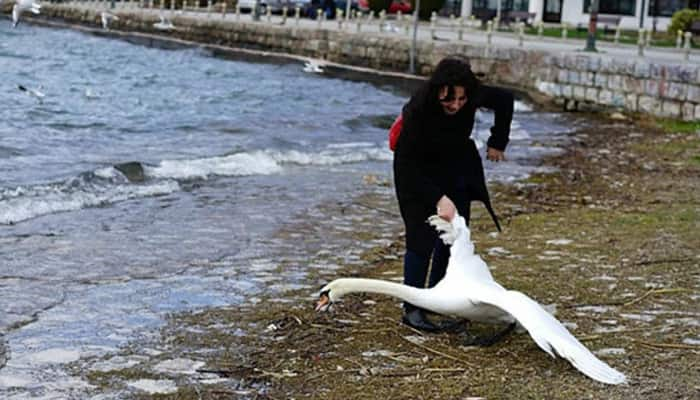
<point>501,102</point>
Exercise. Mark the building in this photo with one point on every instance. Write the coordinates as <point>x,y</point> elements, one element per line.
<point>656,13</point>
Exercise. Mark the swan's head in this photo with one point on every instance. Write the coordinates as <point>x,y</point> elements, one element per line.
<point>331,293</point>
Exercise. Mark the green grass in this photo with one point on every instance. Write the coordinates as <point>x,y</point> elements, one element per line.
<point>678,126</point>
<point>660,39</point>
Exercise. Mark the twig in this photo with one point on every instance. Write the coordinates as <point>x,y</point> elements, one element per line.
<point>350,329</point>
<point>654,292</point>
<point>662,261</point>
<point>667,345</point>
<point>376,209</point>
<point>428,349</point>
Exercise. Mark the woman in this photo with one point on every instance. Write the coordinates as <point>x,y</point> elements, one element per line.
<point>437,167</point>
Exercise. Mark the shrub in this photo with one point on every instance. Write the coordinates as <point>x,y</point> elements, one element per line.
<point>682,19</point>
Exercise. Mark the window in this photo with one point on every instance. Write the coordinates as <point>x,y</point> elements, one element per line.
<point>515,5</point>
<point>666,8</point>
<point>622,7</point>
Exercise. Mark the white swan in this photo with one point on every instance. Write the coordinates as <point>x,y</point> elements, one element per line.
<point>106,18</point>
<point>164,24</point>
<point>469,291</point>
<point>22,6</point>
<point>314,66</point>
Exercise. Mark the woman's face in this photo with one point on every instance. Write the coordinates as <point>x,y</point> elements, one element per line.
<point>452,102</point>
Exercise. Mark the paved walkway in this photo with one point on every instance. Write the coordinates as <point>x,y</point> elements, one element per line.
<point>443,32</point>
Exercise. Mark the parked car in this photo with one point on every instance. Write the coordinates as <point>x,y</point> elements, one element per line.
<point>275,6</point>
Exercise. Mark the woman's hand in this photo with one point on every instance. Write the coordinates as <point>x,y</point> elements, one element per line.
<point>495,155</point>
<point>446,209</point>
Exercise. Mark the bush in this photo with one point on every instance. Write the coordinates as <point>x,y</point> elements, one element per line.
<point>682,19</point>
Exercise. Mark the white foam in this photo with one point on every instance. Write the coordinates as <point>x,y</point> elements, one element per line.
<point>239,164</point>
<point>179,366</point>
<point>50,199</point>
<point>153,386</point>
<point>54,356</point>
<point>520,106</point>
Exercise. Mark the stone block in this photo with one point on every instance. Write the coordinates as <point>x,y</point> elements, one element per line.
<point>591,94</point>
<point>632,85</point>
<point>649,104</point>
<point>601,80</point>
<point>563,76</point>
<point>605,97</point>
<point>594,64</point>
<point>671,109</point>
<point>657,71</point>
<point>642,69</point>
<point>697,111</point>
<point>688,111</point>
<point>587,78</point>
<point>615,82</point>
<point>652,87</point>
<point>632,102</point>
<point>693,93</point>
<point>581,63</point>
<point>567,91</point>
<point>675,91</point>
<point>579,92</point>
<point>574,77</point>
<point>683,73</point>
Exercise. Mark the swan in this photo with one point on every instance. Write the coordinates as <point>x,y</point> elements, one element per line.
<point>164,24</point>
<point>313,66</point>
<point>106,17</point>
<point>33,92</point>
<point>22,6</point>
<point>468,290</point>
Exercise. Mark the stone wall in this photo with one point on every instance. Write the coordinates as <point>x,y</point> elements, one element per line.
<point>578,81</point>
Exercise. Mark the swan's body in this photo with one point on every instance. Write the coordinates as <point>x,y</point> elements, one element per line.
<point>33,92</point>
<point>164,24</point>
<point>313,66</point>
<point>22,6</point>
<point>107,18</point>
<point>469,291</point>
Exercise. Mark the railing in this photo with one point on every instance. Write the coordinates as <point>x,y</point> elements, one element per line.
<point>451,29</point>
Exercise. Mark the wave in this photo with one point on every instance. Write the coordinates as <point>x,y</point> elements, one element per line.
<point>108,185</point>
<point>23,203</point>
<point>265,162</point>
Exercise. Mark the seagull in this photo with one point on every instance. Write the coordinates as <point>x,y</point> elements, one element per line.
<point>22,6</point>
<point>164,24</point>
<point>469,291</point>
<point>32,92</point>
<point>313,66</point>
<point>106,18</point>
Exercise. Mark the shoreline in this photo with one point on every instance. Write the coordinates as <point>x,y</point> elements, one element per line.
<point>617,291</point>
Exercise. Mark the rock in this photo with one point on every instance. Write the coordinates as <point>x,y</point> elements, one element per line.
<point>133,171</point>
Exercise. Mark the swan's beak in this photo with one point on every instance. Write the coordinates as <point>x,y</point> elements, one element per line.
<point>323,302</point>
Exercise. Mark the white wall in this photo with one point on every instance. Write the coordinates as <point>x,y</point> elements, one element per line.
<point>572,13</point>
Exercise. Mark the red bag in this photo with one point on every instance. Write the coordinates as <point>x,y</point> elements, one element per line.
<point>395,132</point>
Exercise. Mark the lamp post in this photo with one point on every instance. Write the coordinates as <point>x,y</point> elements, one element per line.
<point>592,25</point>
<point>412,57</point>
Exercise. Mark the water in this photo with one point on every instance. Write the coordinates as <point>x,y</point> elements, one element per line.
<point>232,152</point>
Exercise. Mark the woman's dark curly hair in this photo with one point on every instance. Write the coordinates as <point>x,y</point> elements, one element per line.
<point>451,71</point>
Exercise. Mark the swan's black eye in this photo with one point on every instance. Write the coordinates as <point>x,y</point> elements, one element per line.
<point>324,293</point>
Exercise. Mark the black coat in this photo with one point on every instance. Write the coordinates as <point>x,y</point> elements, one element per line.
<point>435,155</point>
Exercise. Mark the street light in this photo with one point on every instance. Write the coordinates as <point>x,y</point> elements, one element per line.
<point>412,57</point>
<point>592,25</point>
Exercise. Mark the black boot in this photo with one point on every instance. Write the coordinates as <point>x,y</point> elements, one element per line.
<point>415,318</point>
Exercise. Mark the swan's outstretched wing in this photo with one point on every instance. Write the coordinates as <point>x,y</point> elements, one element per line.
<point>545,330</point>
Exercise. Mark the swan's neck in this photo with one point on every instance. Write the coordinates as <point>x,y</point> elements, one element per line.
<point>415,296</point>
